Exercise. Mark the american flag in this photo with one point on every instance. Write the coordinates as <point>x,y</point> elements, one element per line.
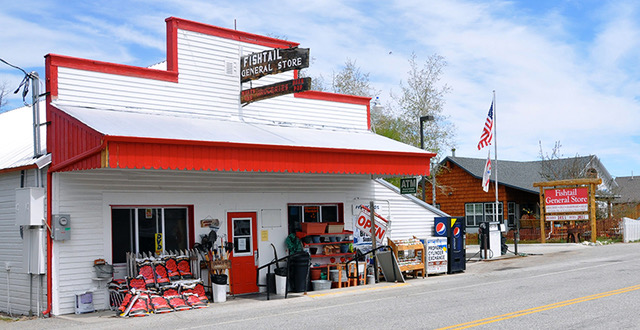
<point>486,175</point>
<point>487,130</point>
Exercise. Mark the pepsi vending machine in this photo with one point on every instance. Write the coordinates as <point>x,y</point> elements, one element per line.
<point>453,228</point>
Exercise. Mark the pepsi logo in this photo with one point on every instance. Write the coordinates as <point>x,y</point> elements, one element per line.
<point>441,228</point>
<point>456,231</point>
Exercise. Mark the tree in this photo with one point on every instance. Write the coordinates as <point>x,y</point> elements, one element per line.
<point>3,95</point>
<point>422,95</point>
<point>350,80</point>
<point>553,167</point>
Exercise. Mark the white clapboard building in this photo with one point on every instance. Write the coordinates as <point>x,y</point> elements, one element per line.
<point>130,152</point>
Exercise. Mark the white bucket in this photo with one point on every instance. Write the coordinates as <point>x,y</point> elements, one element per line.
<point>371,279</point>
<point>84,302</point>
<point>219,293</point>
<point>281,285</point>
<point>119,271</point>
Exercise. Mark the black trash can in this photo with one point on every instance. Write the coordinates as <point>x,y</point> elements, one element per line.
<point>504,248</point>
<point>299,271</point>
<point>271,283</point>
<point>220,279</point>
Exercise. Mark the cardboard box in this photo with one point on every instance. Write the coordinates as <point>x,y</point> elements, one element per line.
<point>335,228</point>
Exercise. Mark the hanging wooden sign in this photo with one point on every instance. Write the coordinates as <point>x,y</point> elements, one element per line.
<point>259,64</point>
<point>273,90</point>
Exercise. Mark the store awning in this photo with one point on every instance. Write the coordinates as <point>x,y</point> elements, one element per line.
<point>106,138</point>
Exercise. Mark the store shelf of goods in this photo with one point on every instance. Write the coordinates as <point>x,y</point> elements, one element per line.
<point>330,245</point>
<point>327,243</point>
<point>410,255</point>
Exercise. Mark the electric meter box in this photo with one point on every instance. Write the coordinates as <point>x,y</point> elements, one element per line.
<point>61,226</point>
<point>29,206</point>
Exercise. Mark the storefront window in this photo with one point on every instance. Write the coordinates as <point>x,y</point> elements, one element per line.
<point>135,229</point>
<point>299,213</point>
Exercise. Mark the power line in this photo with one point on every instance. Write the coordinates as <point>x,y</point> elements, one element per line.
<point>24,84</point>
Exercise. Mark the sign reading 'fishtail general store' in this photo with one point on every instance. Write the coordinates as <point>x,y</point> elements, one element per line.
<point>272,61</point>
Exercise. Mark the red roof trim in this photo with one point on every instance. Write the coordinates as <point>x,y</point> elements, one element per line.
<point>144,153</point>
<point>55,60</point>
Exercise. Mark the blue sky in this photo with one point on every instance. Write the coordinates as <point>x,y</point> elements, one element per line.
<point>565,71</point>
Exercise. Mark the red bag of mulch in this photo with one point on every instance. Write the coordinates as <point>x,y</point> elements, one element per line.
<point>197,289</point>
<point>125,302</point>
<point>162,276</point>
<point>137,283</point>
<point>146,271</point>
<point>172,268</point>
<point>178,303</point>
<point>184,268</point>
<point>175,299</point>
<point>140,306</point>
<point>160,304</point>
<point>193,301</point>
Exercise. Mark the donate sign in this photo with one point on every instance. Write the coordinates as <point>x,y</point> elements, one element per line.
<point>363,223</point>
<point>566,200</point>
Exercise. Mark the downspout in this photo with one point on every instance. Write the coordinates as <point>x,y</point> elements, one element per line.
<point>47,312</point>
<point>68,162</point>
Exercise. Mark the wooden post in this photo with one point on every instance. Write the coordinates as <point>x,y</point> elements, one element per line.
<point>543,239</point>
<point>592,213</point>
<point>374,243</point>
<point>591,184</point>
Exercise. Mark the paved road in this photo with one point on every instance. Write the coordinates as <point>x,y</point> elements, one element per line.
<point>569,287</point>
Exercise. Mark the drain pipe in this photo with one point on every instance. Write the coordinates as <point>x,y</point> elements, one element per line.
<point>7,267</point>
<point>47,312</point>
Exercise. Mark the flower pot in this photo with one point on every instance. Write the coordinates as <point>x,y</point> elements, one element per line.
<point>316,273</point>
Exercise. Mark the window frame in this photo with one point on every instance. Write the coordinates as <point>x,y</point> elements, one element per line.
<point>159,211</point>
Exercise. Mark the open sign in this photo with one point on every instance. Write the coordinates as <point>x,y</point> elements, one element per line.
<point>363,223</point>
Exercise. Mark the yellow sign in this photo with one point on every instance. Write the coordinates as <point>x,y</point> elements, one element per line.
<point>159,246</point>
<point>264,235</point>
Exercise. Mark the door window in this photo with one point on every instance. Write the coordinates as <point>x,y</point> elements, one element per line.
<point>242,244</point>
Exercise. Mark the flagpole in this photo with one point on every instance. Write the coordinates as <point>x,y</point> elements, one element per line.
<point>495,144</point>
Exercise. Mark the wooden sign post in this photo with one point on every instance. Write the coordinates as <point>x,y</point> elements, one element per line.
<point>568,200</point>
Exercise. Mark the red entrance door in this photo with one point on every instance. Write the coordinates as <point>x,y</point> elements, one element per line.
<point>242,229</point>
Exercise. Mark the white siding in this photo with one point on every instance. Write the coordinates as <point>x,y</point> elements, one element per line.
<point>13,250</point>
<point>204,88</point>
<point>88,197</point>
<point>409,217</point>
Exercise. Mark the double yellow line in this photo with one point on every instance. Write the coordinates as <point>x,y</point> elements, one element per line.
<point>540,308</point>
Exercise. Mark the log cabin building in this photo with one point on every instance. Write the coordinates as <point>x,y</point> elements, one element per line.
<point>459,186</point>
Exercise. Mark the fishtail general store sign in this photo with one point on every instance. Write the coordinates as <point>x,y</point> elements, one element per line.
<point>260,64</point>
